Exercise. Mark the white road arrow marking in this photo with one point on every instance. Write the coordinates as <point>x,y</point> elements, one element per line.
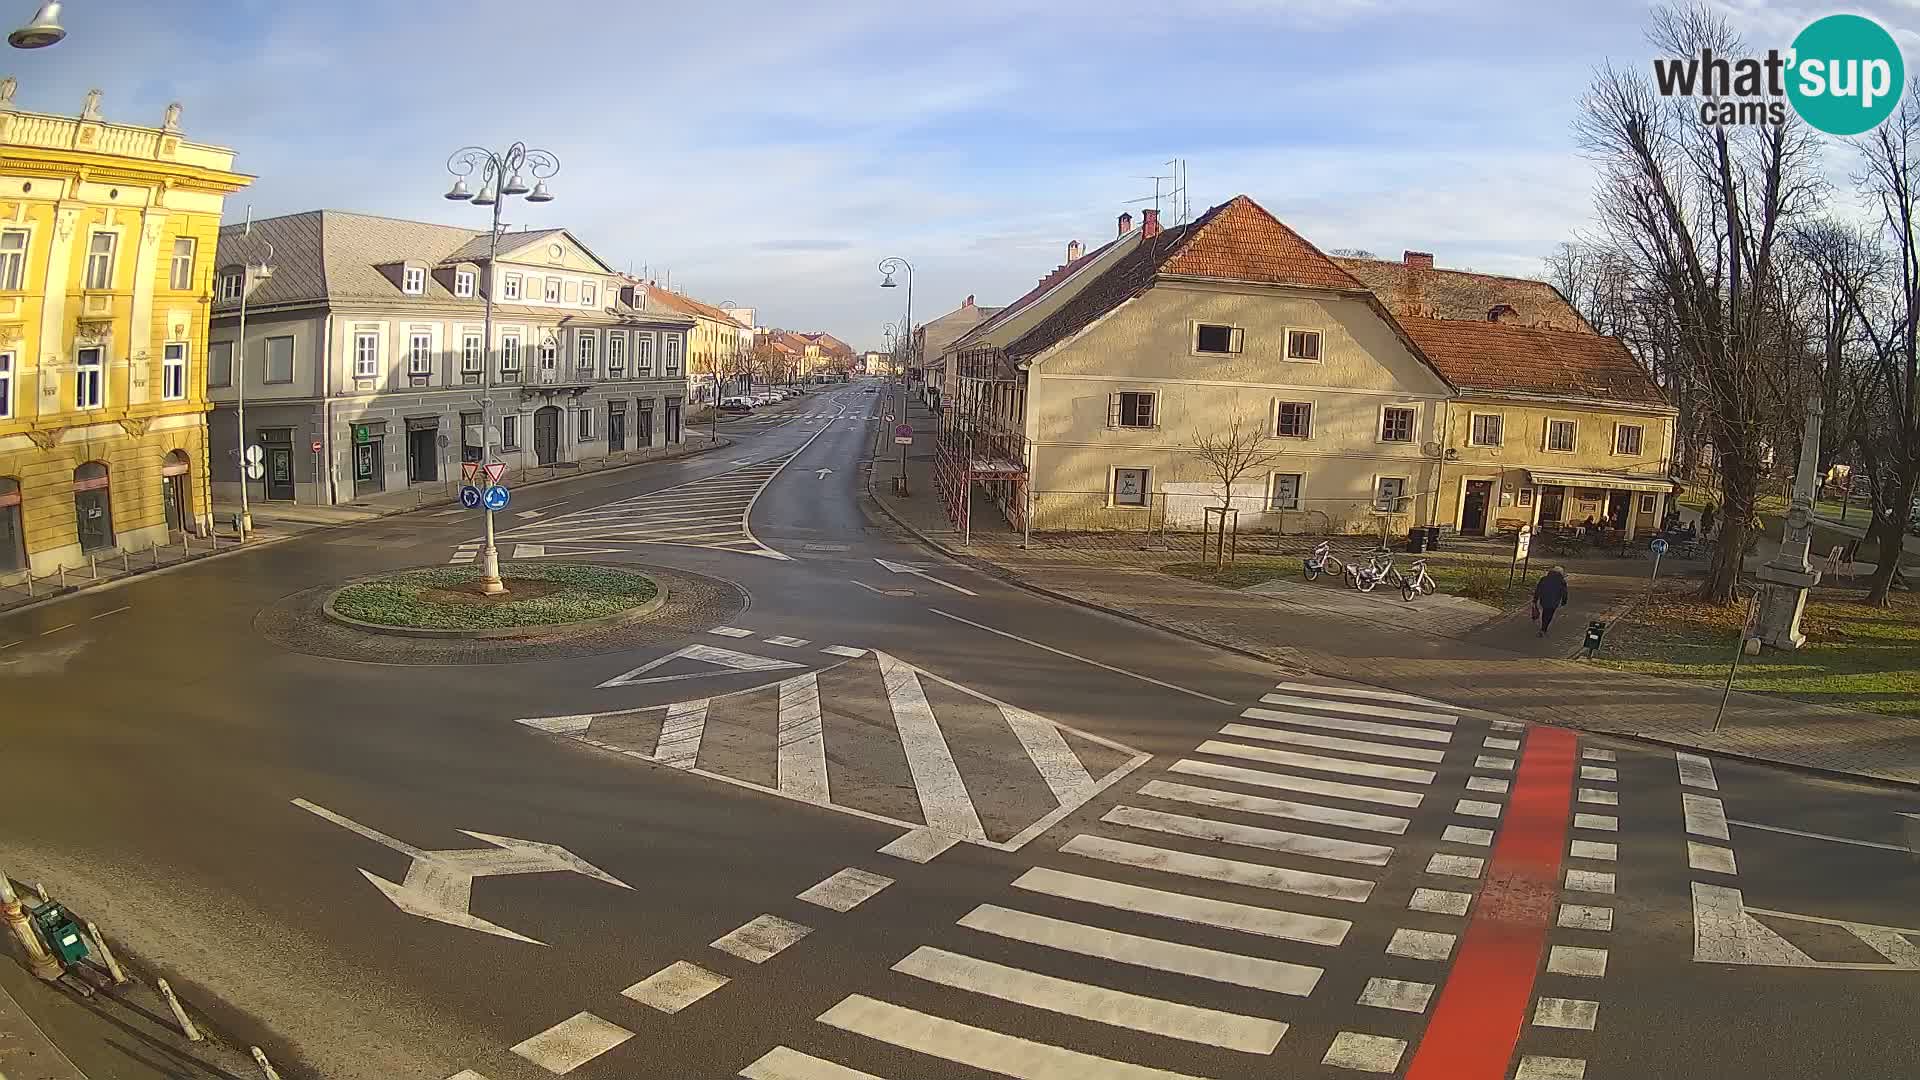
<point>439,884</point>
<point>903,568</point>
<point>822,474</point>
<point>728,661</point>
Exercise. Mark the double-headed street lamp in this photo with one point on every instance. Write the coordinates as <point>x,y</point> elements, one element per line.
<point>42,31</point>
<point>890,267</point>
<point>502,175</point>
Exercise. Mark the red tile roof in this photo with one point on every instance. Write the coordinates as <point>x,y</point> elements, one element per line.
<point>1503,357</point>
<point>1420,292</point>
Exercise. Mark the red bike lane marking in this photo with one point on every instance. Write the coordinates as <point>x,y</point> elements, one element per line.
<point>1483,1005</point>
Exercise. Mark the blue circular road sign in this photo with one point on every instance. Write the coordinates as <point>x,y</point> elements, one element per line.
<point>1659,545</point>
<point>496,498</point>
<point>470,497</point>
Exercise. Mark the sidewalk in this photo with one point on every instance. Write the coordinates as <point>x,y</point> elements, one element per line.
<point>53,1033</point>
<point>1289,627</point>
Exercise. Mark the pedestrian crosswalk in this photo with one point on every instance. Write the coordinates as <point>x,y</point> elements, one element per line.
<point>708,513</point>
<point>1194,920</point>
<point>872,736</point>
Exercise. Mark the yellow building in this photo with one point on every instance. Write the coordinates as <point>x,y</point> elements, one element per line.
<point>107,235</point>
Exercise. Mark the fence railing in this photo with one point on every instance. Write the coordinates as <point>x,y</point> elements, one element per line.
<point>24,586</point>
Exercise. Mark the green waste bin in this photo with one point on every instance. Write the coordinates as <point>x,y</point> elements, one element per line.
<point>1595,631</point>
<point>60,932</point>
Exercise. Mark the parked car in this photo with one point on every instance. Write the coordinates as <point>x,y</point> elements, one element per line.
<point>735,405</point>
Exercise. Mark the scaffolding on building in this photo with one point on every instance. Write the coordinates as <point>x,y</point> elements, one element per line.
<point>982,444</point>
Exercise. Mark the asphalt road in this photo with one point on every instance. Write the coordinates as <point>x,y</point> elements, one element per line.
<point>1083,874</point>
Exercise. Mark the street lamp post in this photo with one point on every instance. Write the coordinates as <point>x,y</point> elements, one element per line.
<point>501,176</point>
<point>43,30</point>
<point>889,267</point>
<point>250,274</point>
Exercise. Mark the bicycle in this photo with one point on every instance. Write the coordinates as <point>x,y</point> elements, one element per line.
<point>1322,561</point>
<point>1367,578</point>
<point>1415,581</point>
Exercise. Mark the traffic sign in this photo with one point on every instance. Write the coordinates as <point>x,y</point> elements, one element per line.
<point>1659,545</point>
<point>255,454</point>
<point>903,440</point>
<point>889,417</point>
<point>316,446</point>
<point>255,470</point>
<point>469,470</point>
<point>470,497</point>
<point>904,431</point>
<point>496,498</point>
<point>496,470</point>
<point>1522,543</point>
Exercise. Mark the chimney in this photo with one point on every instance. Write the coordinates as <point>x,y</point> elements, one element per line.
<point>1149,224</point>
<point>969,302</point>
<point>1419,260</point>
<point>1073,250</point>
<point>1126,223</point>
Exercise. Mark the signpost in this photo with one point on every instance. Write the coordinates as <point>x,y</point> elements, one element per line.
<point>255,455</point>
<point>903,436</point>
<point>1659,549</point>
<point>316,446</point>
<point>469,470</point>
<point>1747,631</point>
<point>470,497</point>
<point>1522,551</point>
<point>496,470</point>
<point>496,498</point>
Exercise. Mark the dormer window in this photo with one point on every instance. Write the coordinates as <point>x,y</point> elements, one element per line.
<point>413,280</point>
<point>553,290</point>
<point>230,284</point>
<point>510,287</point>
<point>463,283</point>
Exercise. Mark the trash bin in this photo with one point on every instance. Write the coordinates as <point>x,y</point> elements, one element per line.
<point>60,932</point>
<point>1433,538</point>
<point>1416,540</point>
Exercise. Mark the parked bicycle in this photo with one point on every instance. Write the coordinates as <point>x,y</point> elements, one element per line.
<point>1323,561</point>
<point>1415,581</point>
<point>1367,578</point>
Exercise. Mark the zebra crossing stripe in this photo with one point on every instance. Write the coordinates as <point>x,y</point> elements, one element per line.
<point>1308,785</point>
<point>1291,843</point>
<point>1212,868</point>
<point>1281,808</point>
<point>785,1063</point>
<point>1059,766</point>
<point>1099,1004</point>
<point>1362,727</point>
<point>944,801</point>
<point>1313,761</point>
<point>1363,692</point>
<point>802,742</point>
<point>1332,742</point>
<point>680,734</point>
<point>1256,972</point>
<point>1199,910</point>
<point>1361,710</point>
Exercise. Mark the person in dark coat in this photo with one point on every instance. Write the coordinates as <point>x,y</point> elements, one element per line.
<point>1550,595</point>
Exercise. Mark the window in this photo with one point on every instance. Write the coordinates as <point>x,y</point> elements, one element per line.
<point>1484,430</point>
<point>586,346</point>
<point>366,355</point>
<point>616,354</point>
<point>420,353</point>
<point>588,294</point>
<point>471,354</point>
<point>180,270</point>
<point>220,364</point>
<point>13,258</point>
<point>586,422</point>
<point>280,359</point>
<point>6,385</point>
<point>413,281</point>
<point>463,283</point>
<point>1293,420</point>
<point>553,290</point>
<point>510,287</point>
<point>1130,487</point>
<point>230,286</point>
<point>173,371</point>
<point>1396,424</point>
<point>643,355</point>
<point>510,432</point>
<point>549,353</point>
<point>1560,435</point>
<point>1626,439</point>
<point>1283,492</point>
<point>1208,338</point>
<point>510,357</point>
<point>1646,504</point>
<point>1303,345</point>
<point>1525,497</point>
<point>1387,493</point>
<point>671,359</point>
<point>88,378</point>
<point>100,248</point>
<point>1131,410</point>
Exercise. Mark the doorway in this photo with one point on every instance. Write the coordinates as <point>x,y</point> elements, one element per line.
<point>13,531</point>
<point>173,492</point>
<point>369,468</point>
<point>546,435</point>
<point>673,421</point>
<point>616,426</point>
<point>423,455</point>
<point>92,506</point>
<point>643,431</point>
<point>1553,501</point>
<point>280,472</point>
<point>1473,508</point>
<point>1619,506</point>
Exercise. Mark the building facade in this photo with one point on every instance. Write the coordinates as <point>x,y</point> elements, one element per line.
<point>365,358</point>
<point>107,236</point>
<point>719,346</point>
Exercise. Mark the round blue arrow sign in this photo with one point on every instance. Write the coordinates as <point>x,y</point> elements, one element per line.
<point>1659,546</point>
<point>496,498</point>
<point>470,497</point>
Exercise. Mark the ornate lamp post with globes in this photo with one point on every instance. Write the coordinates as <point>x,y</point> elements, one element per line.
<point>501,174</point>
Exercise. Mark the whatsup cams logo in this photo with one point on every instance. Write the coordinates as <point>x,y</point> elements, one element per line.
<point>1843,75</point>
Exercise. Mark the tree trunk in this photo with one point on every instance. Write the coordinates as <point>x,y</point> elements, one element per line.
<point>1739,492</point>
<point>1890,530</point>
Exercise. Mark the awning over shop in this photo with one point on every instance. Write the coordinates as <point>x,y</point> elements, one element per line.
<point>1614,481</point>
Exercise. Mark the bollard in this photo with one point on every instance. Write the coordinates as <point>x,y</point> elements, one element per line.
<point>39,960</point>
<point>155,552</point>
<point>93,567</point>
<point>126,561</point>
<point>186,1022</point>
<point>63,575</point>
<point>260,1059</point>
<point>106,955</point>
<point>40,890</point>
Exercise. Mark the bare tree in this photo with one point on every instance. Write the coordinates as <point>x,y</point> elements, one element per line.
<point>1231,452</point>
<point>1351,253</point>
<point>1701,210</point>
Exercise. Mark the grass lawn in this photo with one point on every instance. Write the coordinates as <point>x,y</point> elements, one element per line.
<point>1856,657</point>
<point>447,598</point>
<point>1481,580</point>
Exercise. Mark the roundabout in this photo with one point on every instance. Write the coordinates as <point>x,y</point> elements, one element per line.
<point>542,599</point>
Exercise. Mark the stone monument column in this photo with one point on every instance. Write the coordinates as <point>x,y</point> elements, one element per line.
<point>1790,573</point>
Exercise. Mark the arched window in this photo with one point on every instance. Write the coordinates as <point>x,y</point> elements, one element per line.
<point>13,530</point>
<point>92,506</point>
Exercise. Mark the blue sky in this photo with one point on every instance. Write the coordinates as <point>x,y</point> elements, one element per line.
<point>772,153</point>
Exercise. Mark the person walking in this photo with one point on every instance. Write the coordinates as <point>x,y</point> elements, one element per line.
<point>1549,596</point>
<point>1706,520</point>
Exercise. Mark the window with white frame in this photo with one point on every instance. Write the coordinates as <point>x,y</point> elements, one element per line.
<point>643,354</point>
<point>1130,409</point>
<point>230,285</point>
<point>13,258</point>
<point>553,290</point>
<point>1303,345</point>
<point>589,294</point>
<point>1388,491</point>
<point>587,348</point>
<point>1293,420</point>
<point>1646,504</point>
<point>463,283</point>
<point>220,363</point>
<point>586,422</point>
<point>89,377</point>
<point>1627,439</point>
<point>413,280</point>
<point>420,353</point>
<point>472,353</point>
<point>1130,486</point>
<point>1396,424</point>
<point>510,357</point>
<point>616,353</point>
<point>1283,491</point>
<point>1561,435</point>
<point>1525,498</point>
<point>173,371</point>
<point>280,359</point>
<point>366,354</point>
<point>549,354</point>
<point>510,432</point>
<point>1211,338</point>
<point>1484,430</point>
<point>510,287</point>
<point>6,385</point>
<point>671,358</point>
<point>100,250</point>
<point>180,268</point>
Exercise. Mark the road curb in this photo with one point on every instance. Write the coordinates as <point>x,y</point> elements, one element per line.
<point>997,571</point>
<point>534,632</point>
